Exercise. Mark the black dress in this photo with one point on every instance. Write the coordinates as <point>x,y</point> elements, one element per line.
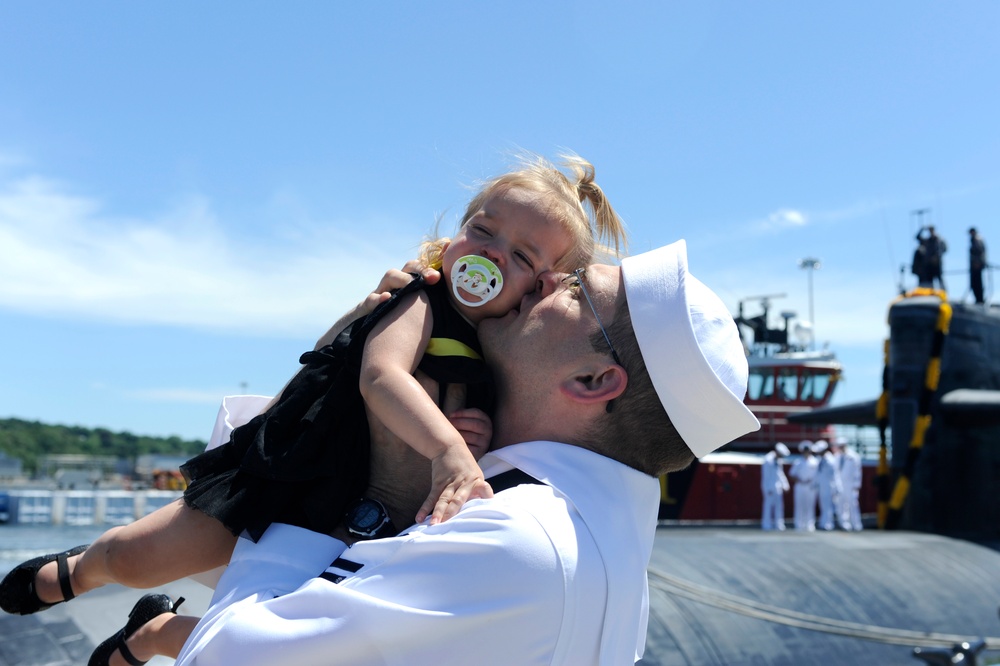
<point>306,458</point>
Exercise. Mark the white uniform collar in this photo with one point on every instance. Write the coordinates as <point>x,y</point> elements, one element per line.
<point>619,505</point>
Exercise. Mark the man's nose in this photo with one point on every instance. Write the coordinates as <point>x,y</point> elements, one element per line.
<point>549,281</point>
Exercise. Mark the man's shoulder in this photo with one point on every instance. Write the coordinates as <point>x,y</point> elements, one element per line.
<point>520,532</point>
<point>526,511</point>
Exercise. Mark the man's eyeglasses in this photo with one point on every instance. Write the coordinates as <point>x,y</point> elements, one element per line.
<point>578,275</point>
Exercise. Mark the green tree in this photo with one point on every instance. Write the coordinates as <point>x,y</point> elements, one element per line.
<point>29,440</point>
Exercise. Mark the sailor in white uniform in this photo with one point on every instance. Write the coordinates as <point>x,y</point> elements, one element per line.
<point>827,485</point>
<point>774,485</point>
<point>803,473</point>
<point>549,573</point>
<point>849,463</point>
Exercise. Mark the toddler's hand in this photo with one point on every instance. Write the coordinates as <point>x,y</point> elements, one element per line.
<point>476,429</point>
<point>455,478</point>
<point>397,279</point>
<point>430,275</point>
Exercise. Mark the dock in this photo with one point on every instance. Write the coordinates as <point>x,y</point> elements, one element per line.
<point>719,596</point>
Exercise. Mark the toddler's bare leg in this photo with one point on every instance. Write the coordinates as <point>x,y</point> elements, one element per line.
<point>171,543</point>
<point>163,635</point>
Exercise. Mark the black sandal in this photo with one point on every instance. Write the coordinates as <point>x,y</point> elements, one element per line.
<point>18,595</point>
<point>148,607</point>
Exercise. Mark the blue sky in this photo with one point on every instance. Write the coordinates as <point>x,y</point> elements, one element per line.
<point>190,193</point>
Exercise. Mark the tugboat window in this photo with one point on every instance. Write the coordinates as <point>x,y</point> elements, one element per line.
<point>814,385</point>
<point>789,385</point>
<point>760,385</point>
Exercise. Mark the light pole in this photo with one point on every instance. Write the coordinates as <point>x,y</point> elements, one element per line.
<point>810,264</point>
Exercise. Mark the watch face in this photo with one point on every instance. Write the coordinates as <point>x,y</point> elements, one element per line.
<point>366,518</point>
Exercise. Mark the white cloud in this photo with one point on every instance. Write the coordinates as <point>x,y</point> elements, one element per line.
<point>787,217</point>
<point>784,219</point>
<point>63,255</point>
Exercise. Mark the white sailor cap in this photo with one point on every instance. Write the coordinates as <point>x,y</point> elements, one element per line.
<point>805,445</point>
<point>839,440</point>
<point>819,447</point>
<point>691,347</point>
<point>782,449</point>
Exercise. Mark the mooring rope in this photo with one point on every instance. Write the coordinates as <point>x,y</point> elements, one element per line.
<point>750,608</point>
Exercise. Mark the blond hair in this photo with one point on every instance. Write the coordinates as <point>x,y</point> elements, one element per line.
<point>577,203</point>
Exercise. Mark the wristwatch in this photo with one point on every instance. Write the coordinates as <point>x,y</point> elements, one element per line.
<point>367,518</point>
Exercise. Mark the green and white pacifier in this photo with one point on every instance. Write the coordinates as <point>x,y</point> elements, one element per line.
<point>475,280</point>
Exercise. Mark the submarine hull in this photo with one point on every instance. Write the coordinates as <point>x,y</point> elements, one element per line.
<point>734,596</point>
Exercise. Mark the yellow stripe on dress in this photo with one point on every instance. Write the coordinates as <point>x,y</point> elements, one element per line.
<point>450,347</point>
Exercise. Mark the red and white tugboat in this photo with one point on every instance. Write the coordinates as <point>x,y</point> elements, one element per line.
<point>785,379</point>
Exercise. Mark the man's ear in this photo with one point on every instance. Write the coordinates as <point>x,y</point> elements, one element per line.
<point>595,383</point>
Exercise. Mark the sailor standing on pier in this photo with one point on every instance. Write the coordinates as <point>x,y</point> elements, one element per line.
<point>803,472</point>
<point>828,485</point>
<point>774,485</point>
<point>849,463</point>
